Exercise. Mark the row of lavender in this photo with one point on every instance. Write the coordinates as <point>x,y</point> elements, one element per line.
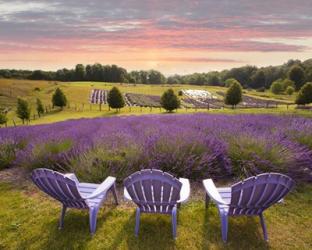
<point>99,96</point>
<point>195,146</point>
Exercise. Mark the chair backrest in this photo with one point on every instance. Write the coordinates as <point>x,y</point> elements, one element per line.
<point>153,191</point>
<point>59,187</point>
<point>255,194</point>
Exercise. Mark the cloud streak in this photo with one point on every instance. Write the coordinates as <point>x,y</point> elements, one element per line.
<point>205,26</point>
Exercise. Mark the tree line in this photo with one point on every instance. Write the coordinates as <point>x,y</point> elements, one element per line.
<point>248,76</point>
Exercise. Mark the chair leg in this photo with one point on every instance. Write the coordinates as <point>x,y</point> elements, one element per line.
<point>137,221</point>
<point>92,219</point>
<point>265,233</point>
<point>174,222</point>
<point>224,226</point>
<point>61,223</point>
<point>115,193</point>
<point>207,199</point>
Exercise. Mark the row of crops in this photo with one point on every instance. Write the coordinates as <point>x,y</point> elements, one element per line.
<point>200,99</point>
<point>99,96</point>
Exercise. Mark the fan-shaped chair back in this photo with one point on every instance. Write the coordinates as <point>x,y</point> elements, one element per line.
<point>253,195</point>
<point>59,187</point>
<point>153,191</point>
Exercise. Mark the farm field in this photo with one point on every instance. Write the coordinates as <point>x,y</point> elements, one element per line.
<point>196,146</point>
<point>78,95</point>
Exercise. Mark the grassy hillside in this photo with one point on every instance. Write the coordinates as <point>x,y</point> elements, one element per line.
<point>78,96</point>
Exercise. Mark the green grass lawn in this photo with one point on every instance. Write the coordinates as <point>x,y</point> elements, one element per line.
<point>28,220</point>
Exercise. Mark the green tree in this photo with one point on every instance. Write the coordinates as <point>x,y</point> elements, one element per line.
<point>169,100</point>
<point>305,94</point>
<point>288,83</point>
<point>277,87</point>
<point>80,72</point>
<point>59,99</point>
<point>296,74</point>
<point>230,81</point>
<point>155,77</point>
<point>40,108</point>
<point>233,95</point>
<point>23,110</point>
<point>258,79</point>
<point>115,99</point>
<point>3,119</point>
<point>290,90</point>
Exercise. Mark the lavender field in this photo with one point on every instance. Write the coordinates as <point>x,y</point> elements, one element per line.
<point>194,146</point>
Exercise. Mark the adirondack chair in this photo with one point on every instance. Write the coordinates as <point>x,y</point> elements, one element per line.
<point>154,191</point>
<point>250,197</point>
<point>74,194</point>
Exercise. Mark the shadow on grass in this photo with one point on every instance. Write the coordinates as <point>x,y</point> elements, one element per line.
<point>155,233</point>
<point>75,233</point>
<point>243,233</point>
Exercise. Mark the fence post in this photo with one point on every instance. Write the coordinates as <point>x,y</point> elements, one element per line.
<point>208,106</point>
<point>151,109</point>
<point>100,106</point>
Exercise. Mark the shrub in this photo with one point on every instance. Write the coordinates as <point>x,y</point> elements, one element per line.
<point>7,155</point>
<point>3,119</point>
<point>305,94</point>
<point>290,90</point>
<point>37,89</point>
<point>180,93</point>
<point>40,108</point>
<point>51,154</point>
<point>288,83</point>
<point>115,99</point>
<point>277,87</point>
<point>59,99</point>
<point>233,95</point>
<point>23,110</point>
<point>169,100</point>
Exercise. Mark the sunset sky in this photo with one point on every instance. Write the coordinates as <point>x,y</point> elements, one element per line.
<point>173,36</point>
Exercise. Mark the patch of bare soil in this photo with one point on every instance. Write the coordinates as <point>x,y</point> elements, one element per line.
<point>15,175</point>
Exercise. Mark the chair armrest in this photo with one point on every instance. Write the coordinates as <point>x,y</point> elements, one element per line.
<point>126,194</point>
<point>213,192</point>
<point>73,177</point>
<point>185,190</point>
<point>103,187</point>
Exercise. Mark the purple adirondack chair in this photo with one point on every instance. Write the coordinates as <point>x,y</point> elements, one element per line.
<point>249,197</point>
<point>154,191</point>
<point>74,194</point>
